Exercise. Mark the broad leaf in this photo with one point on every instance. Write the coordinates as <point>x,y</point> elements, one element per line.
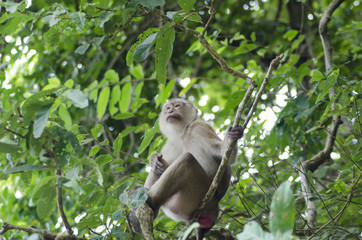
<point>78,99</point>
<point>139,197</point>
<point>125,97</point>
<point>41,120</point>
<point>141,51</point>
<point>282,210</point>
<point>78,18</point>
<point>8,146</point>
<point>102,102</point>
<point>82,49</point>
<point>164,47</point>
<point>146,140</point>
<point>186,5</point>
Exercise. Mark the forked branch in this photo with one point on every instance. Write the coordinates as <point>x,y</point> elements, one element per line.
<point>317,160</point>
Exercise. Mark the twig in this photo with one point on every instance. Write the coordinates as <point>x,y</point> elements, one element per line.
<point>60,203</point>
<point>212,15</point>
<point>339,214</point>
<point>222,62</point>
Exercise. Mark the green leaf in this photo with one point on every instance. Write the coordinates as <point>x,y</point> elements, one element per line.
<point>164,47</point>
<point>332,78</point>
<point>15,23</point>
<point>103,102</point>
<point>252,231</point>
<point>168,90</point>
<point>139,197</point>
<point>117,215</point>
<point>11,6</point>
<point>98,40</point>
<point>245,47</point>
<point>138,90</point>
<point>82,49</point>
<point>290,35</point>
<point>140,39</point>
<point>103,159</point>
<point>90,221</point>
<point>77,98</point>
<point>104,17</point>
<point>123,197</point>
<point>78,18</point>
<point>24,168</point>
<point>324,90</point>
<point>125,97</point>
<point>117,144</point>
<point>8,146</point>
<point>141,51</point>
<point>282,209</point>
<point>41,120</point>
<point>150,133</point>
<point>121,116</point>
<point>99,176</point>
<point>52,36</point>
<point>65,116</point>
<point>115,98</point>
<point>111,76</point>
<point>73,173</point>
<point>94,150</point>
<point>150,4</point>
<point>186,5</point>
<point>97,131</point>
<point>316,76</point>
<point>45,208</point>
<point>137,71</point>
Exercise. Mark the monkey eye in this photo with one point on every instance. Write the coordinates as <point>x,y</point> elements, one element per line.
<point>177,105</point>
<point>167,108</point>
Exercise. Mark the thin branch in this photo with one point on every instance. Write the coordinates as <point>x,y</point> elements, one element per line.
<point>13,132</point>
<point>60,203</point>
<point>212,15</point>
<point>339,214</point>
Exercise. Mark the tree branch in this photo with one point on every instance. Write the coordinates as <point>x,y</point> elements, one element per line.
<point>317,160</point>
<point>323,32</point>
<point>45,233</point>
<point>230,145</point>
<point>222,62</point>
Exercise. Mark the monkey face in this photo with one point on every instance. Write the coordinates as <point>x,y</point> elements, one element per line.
<point>174,111</point>
<point>176,114</point>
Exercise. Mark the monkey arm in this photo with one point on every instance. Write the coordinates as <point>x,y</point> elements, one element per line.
<point>158,167</point>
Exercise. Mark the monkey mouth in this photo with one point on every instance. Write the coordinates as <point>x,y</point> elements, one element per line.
<point>173,117</point>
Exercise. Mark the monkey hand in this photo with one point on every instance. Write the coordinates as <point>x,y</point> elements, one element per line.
<point>158,164</point>
<point>235,133</point>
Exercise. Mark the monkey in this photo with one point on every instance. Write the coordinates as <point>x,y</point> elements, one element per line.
<point>182,173</point>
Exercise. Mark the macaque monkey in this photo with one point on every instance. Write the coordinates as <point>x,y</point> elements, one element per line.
<point>182,174</point>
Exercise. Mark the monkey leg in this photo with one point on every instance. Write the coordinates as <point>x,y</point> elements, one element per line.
<point>182,185</point>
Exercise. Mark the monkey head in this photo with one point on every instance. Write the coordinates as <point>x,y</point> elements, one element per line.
<point>175,115</point>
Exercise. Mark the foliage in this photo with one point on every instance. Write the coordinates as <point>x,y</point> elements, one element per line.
<point>83,82</point>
